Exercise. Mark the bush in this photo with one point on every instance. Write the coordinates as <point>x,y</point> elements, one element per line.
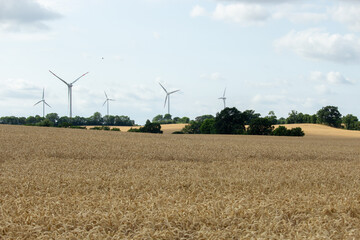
<point>115,129</point>
<point>78,127</point>
<point>296,132</point>
<point>96,128</point>
<point>150,127</point>
<point>283,131</point>
<point>178,132</point>
<point>280,131</point>
<point>134,130</point>
<point>106,128</point>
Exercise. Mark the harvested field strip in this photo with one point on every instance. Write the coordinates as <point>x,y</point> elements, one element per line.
<point>68,183</point>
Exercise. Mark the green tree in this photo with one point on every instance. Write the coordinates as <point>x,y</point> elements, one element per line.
<point>176,120</point>
<point>184,120</point>
<point>329,115</point>
<point>53,117</point>
<point>22,120</point>
<point>208,126</point>
<point>293,117</point>
<point>249,115</point>
<point>314,119</point>
<point>158,118</point>
<point>203,118</point>
<point>31,120</point>
<point>272,117</point>
<point>192,128</point>
<point>96,119</point>
<point>64,121</point>
<point>260,126</point>
<point>281,121</point>
<point>351,122</point>
<point>78,121</point>
<point>230,121</point>
<point>45,123</point>
<point>109,120</point>
<point>167,117</point>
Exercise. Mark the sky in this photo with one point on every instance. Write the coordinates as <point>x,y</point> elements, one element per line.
<point>270,55</point>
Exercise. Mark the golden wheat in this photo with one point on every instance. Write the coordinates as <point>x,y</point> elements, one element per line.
<point>78,184</point>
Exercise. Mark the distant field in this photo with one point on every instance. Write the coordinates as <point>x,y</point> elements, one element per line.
<point>309,129</point>
<point>77,184</point>
<point>322,130</point>
<point>166,128</point>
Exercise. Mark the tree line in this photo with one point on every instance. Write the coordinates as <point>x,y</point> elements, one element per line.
<point>53,120</point>
<point>233,121</point>
<point>329,115</point>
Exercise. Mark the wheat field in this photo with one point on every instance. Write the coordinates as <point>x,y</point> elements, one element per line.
<point>78,184</point>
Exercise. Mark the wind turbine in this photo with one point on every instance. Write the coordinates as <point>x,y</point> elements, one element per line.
<point>43,101</point>
<point>69,85</point>
<point>223,98</point>
<point>168,97</point>
<point>107,101</point>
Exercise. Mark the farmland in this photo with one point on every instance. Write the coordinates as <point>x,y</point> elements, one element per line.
<point>78,184</point>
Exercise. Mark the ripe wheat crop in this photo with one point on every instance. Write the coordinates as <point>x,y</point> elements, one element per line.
<point>77,184</point>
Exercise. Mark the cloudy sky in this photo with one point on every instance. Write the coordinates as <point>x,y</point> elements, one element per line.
<point>278,55</point>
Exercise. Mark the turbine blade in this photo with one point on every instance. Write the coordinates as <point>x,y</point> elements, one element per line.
<point>224,92</point>
<point>105,102</point>
<point>112,99</point>
<point>106,95</point>
<point>163,87</point>
<point>59,78</point>
<point>79,78</point>
<point>38,102</point>
<point>47,104</point>
<point>174,91</point>
<point>166,100</point>
<point>43,93</point>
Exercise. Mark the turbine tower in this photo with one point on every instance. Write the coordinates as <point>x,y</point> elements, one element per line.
<point>107,101</point>
<point>167,98</point>
<point>224,98</point>
<point>69,85</point>
<point>44,102</point>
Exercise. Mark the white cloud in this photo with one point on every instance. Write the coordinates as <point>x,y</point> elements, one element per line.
<point>216,76</point>
<point>267,99</point>
<point>24,15</point>
<point>18,88</point>
<point>331,78</point>
<point>316,44</point>
<point>260,1</point>
<point>244,14</point>
<point>301,17</point>
<point>272,84</point>
<point>198,11</point>
<point>156,35</point>
<point>347,14</point>
<point>323,89</point>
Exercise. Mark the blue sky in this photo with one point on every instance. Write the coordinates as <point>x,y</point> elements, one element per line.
<point>270,55</point>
